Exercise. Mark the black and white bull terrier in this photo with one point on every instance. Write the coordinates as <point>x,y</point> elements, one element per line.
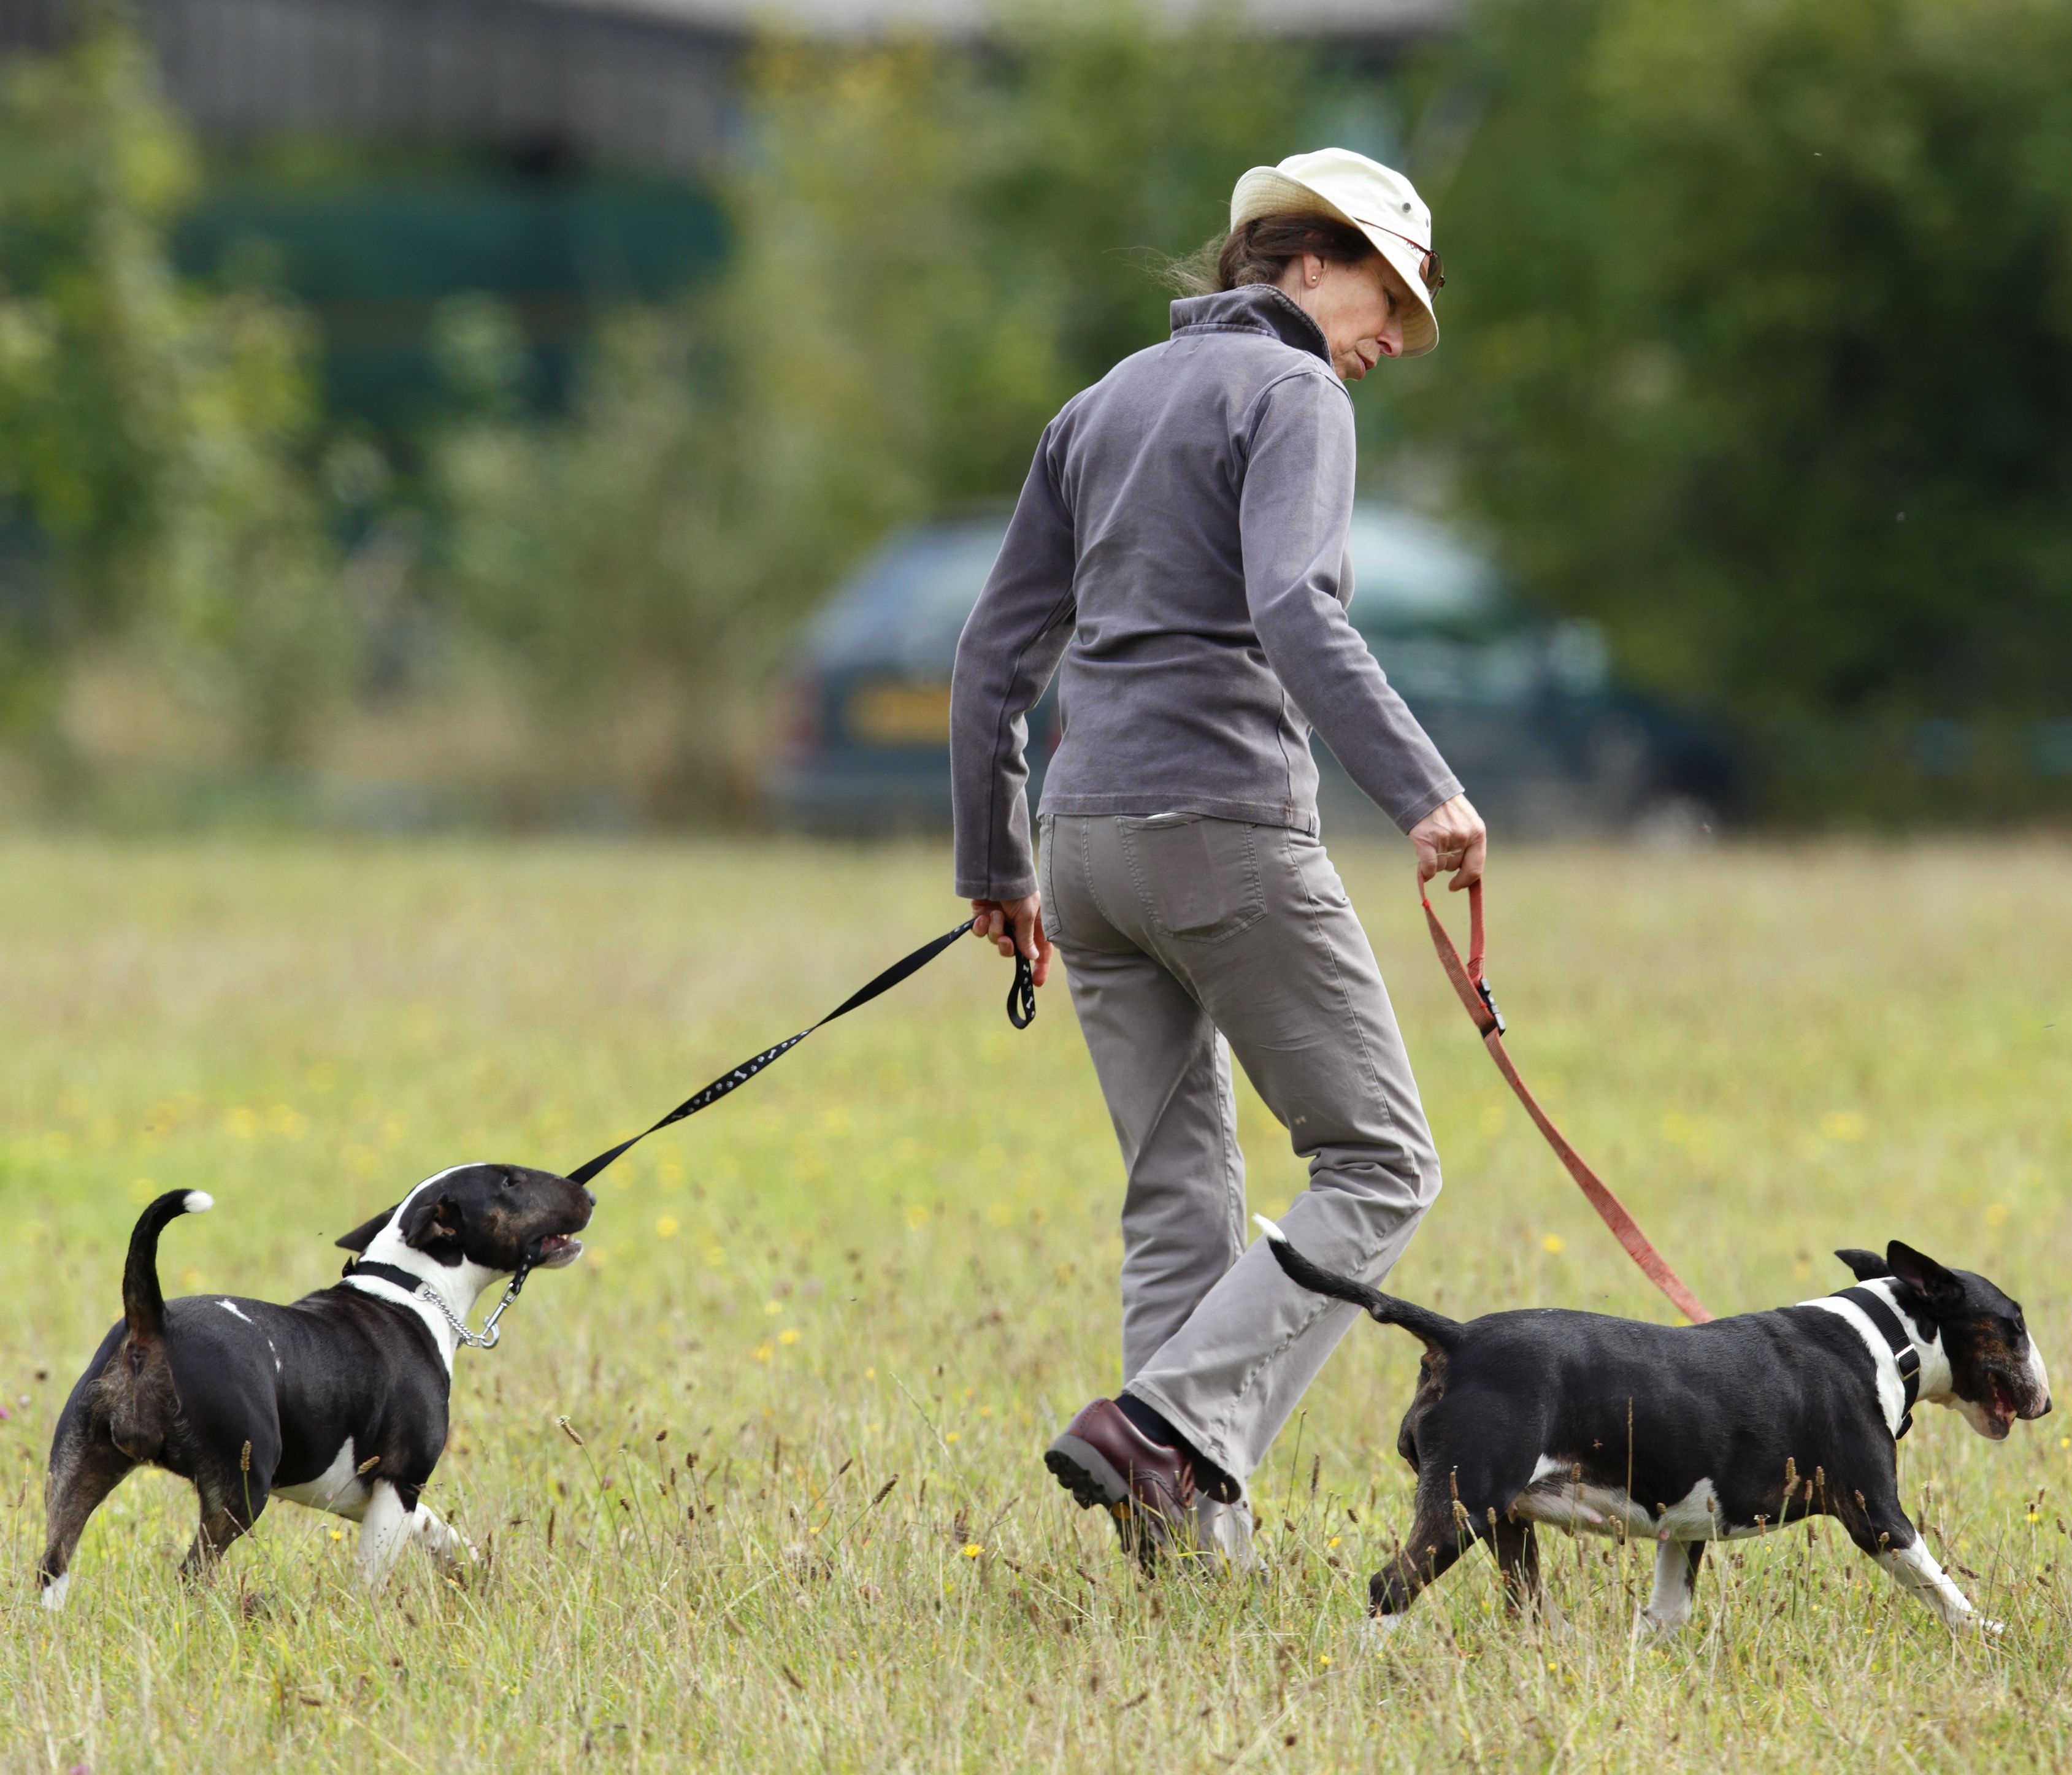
<point>1684,1435</point>
<point>338,1401</point>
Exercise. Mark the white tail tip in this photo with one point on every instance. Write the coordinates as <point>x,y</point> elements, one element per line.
<point>1270,1230</point>
<point>198,1201</point>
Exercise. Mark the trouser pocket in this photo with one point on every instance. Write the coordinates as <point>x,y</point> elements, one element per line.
<point>1046,878</point>
<point>1197,878</point>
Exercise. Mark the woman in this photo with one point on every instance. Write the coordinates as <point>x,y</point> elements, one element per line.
<point>1180,545</point>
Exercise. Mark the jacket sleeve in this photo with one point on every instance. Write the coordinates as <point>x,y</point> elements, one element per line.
<point>1293,514</point>
<point>1009,649</point>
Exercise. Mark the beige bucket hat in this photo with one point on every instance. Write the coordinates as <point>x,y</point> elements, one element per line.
<point>1376,200</point>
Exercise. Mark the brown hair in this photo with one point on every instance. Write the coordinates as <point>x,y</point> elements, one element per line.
<point>1258,252</point>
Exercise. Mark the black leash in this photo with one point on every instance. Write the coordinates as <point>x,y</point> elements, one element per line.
<point>1020,1012</point>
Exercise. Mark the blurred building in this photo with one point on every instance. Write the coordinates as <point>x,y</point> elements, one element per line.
<point>378,157</point>
<point>646,81</point>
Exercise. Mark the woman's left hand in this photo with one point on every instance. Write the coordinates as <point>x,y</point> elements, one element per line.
<point>1452,836</point>
<point>1012,925</point>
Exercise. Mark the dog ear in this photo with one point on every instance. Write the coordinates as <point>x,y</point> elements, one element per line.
<point>1927,1277</point>
<point>1865,1266</point>
<point>363,1236</point>
<point>431,1224</point>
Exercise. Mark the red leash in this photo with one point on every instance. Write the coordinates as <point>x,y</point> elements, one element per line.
<point>1470,982</point>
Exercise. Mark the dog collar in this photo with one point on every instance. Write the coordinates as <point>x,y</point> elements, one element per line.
<point>1905,1357</point>
<point>384,1272</point>
<point>419,1289</point>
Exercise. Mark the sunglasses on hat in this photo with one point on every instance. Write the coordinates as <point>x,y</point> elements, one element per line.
<point>1429,270</point>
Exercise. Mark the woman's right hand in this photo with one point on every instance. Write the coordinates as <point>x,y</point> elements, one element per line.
<point>1014,925</point>
<point>1452,836</point>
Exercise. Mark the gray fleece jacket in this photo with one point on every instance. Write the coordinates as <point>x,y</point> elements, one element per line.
<point>1180,543</point>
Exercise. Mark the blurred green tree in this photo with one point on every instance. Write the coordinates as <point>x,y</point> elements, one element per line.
<point>933,250</point>
<point>150,432</point>
<point>1759,339</point>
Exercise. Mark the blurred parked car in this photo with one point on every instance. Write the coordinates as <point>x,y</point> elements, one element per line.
<point>1527,711</point>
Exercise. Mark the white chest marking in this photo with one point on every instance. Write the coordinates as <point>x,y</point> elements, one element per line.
<point>1554,1497</point>
<point>1891,1389</point>
<point>235,1311</point>
<point>338,1489</point>
<point>434,1322</point>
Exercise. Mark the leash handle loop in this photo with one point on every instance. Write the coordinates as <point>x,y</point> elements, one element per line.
<point>1472,986</point>
<point>1469,979</point>
<point>1022,994</point>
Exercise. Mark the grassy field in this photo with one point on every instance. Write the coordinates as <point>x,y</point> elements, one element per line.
<point>889,1263</point>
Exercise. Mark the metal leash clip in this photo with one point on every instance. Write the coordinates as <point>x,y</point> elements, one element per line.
<point>1488,1000</point>
<point>487,1337</point>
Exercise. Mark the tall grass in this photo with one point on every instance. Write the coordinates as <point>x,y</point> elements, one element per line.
<point>756,1482</point>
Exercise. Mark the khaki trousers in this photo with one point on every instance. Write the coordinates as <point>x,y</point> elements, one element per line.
<point>1186,939</point>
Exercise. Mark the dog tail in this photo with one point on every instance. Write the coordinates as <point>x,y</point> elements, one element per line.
<point>1437,1331</point>
<point>143,1305</point>
<point>135,1389</point>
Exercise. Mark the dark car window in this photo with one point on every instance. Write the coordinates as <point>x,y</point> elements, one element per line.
<point>906,607</point>
<point>1410,576</point>
<point>1437,616</point>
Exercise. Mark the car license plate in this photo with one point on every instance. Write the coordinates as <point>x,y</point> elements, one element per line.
<point>889,712</point>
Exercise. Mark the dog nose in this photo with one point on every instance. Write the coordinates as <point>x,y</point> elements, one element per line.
<point>589,1198</point>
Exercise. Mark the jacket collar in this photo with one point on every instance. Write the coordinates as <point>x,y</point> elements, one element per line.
<point>1252,308</point>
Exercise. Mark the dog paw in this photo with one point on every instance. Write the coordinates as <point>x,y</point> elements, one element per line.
<point>1652,1626</point>
<point>1986,1626</point>
<point>1376,1630</point>
<point>54,1591</point>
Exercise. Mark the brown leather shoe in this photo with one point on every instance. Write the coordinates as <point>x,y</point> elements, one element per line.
<point>1102,1458</point>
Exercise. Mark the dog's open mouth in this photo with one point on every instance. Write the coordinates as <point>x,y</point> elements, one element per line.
<point>2001,1406</point>
<point>556,1252</point>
